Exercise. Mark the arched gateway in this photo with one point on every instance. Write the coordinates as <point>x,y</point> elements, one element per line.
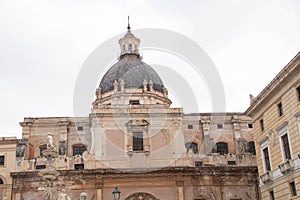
<point>141,196</point>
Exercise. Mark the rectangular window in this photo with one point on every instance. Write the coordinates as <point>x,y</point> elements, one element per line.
<point>138,143</point>
<point>190,126</point>
<point>267,159</point>
<point>78,150</point>
<point>231,162</point>
<point>220,126</point>
<point>251,148</point>
<point>79,166</point>
<point>40,167</point>
<point>298,93</point>
<point>79,128</point>
<point>2,160</point>
<point>198,164</point>
<point>272,196</point>
<point>134,102</point>
<point>262,126</point>
<point>293,189</point>
<point>250,125</point>
<point>286,146</point>
<point>280,110</point>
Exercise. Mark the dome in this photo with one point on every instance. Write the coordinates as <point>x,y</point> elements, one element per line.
<point>133,72</point>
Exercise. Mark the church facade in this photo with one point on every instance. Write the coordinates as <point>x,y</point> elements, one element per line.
<point>134,140</point>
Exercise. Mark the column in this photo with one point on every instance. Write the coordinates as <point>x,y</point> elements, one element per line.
<point>99,194</point>
<point>180,192</point>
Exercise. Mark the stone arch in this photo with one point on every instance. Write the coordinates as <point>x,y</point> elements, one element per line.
<point>141,196</point>
<point>2,181</point>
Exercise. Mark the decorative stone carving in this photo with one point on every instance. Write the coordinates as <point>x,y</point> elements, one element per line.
<point>266,177</point>
<point>83,196</point>
<point>286,166</point>
<point>130,150</point>
<point>204,192</point>
<point>242,145</point>
<point>64,196</point>
<point>272,137</point>
<point>147,149</point>
<point>166,135</point>
<point>141,196</point>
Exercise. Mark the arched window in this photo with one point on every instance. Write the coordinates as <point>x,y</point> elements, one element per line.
<point>42,148</point>
<point>1,181</point>
<point>78,149</point>
<point>221,148</point>
<point>251,147</point>
<point>193,146</point>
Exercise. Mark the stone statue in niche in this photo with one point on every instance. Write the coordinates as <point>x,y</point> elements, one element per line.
<point>62,148</point>
<point>242,145</point>
<point>20,150</point>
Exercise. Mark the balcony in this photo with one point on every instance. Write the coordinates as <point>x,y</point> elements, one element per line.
<point>286,166</point>
<point>266,177</point>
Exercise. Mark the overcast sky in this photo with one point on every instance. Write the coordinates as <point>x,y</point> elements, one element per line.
<point>43,44</point>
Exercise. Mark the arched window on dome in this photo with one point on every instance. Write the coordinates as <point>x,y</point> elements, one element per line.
<point>1,181</point>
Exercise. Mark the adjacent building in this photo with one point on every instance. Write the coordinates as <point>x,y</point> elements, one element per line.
<point>275,113</point>
<point>8,147</point>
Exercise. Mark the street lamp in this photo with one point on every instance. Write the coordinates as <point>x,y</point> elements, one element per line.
<point>116,194</point>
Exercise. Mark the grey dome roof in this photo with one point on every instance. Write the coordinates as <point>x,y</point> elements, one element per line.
<point>133,72</point>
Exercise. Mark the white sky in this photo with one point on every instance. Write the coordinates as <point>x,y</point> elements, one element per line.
<point>44,43</point>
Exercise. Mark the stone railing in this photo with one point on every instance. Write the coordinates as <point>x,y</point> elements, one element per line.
<point>266,177</point>
<point>246,159</point>
<point>286,166</point>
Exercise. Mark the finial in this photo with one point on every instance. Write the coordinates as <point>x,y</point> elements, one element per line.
<point>128,26</point>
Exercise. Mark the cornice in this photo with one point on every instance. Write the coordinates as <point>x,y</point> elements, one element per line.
<point>279,78</point>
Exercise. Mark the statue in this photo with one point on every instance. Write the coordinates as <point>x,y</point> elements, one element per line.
<point>50,141</point>
<point>48,194</point>
<point>20,150</point>
<point>64,196</point>
<point>62,148</point>
<point>242,144</point>
<point>83,196</point>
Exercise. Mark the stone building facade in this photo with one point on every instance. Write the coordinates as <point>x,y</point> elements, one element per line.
<point>276,115</point>
<point>135,140</point>
<point>8,147</point>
